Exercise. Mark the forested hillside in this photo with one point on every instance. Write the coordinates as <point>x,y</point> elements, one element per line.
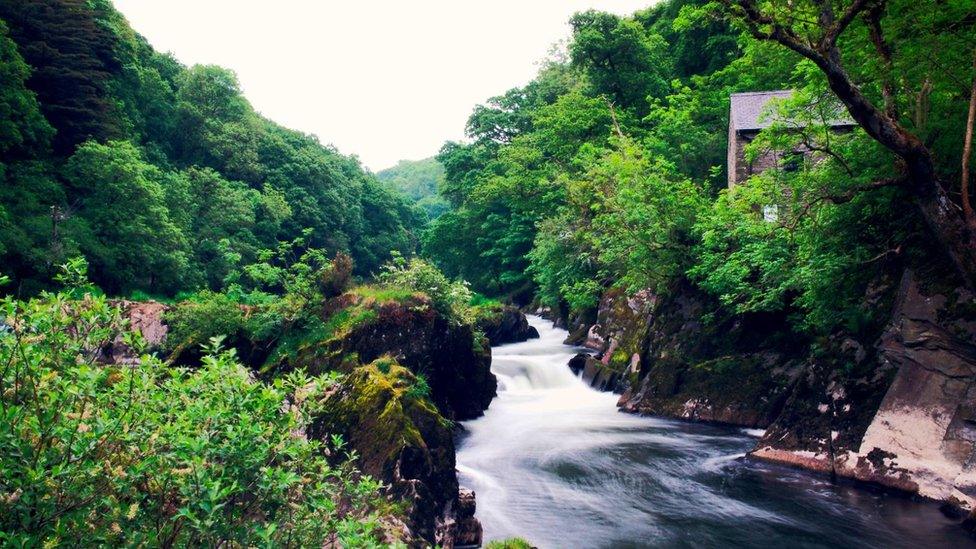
<point>419,180</point>
<point>162,176</point>
<point>217,331</point>
<point>609,169</point>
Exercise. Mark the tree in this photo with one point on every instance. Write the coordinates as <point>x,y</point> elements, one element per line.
<point>22,126</point>
<point>123,226</point>
<point>73,62</point>
<point>828,33</point>
<point>621,60</point>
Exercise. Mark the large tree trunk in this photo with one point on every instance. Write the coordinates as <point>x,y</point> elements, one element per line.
<point>934,203</point>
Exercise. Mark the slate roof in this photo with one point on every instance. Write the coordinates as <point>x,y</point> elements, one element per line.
<point>746,110</point>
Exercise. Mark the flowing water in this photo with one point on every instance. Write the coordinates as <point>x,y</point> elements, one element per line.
<point>553,461</point>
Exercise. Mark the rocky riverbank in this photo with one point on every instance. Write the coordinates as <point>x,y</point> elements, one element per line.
<point>894,407</point>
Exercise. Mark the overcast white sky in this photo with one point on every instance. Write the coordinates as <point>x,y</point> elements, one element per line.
<point>385,80</point>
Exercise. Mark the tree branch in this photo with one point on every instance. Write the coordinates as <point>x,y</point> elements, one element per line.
<point>967,148</point>
<point>830,37</point>
<point>844,197</point>
<point>873,20</point>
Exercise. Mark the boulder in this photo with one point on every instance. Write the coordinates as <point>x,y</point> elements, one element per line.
<point>600,376</point>
<point>505,324</point>
<point>468,529</point>
<point>578,362</point>
<point>145,317</point>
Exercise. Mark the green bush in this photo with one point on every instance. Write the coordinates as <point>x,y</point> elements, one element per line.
<point>94,454</point>
<point>202,316</point>
<point>450,297</point>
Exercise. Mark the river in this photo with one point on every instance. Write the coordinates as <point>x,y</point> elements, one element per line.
<point>554,462</point>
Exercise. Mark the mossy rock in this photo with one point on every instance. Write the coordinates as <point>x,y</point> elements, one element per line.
<point>371,322</point>
<point>399,437</point>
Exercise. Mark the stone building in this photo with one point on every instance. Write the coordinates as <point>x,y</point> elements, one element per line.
<point>748,115</point>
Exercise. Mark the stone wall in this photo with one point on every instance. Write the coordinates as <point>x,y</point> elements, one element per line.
<point>740,168</point>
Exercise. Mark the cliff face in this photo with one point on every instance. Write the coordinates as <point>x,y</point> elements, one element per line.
<point>897,409</point>
<point>664,360</point>
<point>400,438</point>
<point>907,418</point>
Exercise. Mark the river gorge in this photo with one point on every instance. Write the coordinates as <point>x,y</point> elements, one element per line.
<point>554,462</point>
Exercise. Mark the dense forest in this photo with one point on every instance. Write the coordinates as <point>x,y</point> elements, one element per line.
<point>420,181</point>
<point>162,176</point>
<point>215,330</point>
<point>609,169</point>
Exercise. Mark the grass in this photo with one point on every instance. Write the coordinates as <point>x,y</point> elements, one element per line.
<point>511,543</point>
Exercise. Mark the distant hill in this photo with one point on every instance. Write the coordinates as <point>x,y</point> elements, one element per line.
<point>418,180</point>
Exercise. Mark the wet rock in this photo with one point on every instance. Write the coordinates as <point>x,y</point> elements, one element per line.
<point>601,376</point>
<point>468,530</point>
<point>506,324</point>
<point>578,362</point>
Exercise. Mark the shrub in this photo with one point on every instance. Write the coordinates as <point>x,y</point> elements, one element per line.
<point>94,454</point>
<point>449,297</point>
<point>202,316</point>
<point>335,278</point>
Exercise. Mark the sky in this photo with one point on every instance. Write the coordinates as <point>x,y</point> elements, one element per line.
<point>384,80</point>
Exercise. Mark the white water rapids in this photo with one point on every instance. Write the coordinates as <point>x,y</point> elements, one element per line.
<point>554,462</point>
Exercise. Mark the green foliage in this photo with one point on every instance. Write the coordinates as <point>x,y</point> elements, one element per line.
<point>156,147</point>
<point>420,388</point>
<point>450,297</point>
<point>616,174</point>
<point>22,126</point>
<point>152,455</point>
<point>73,58</point>
<point>511,543</point>
<point>419,181</point>
<point>124,228</point>
<point>620,58</point>
<point>202,317</point>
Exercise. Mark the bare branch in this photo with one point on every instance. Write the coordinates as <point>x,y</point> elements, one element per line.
<point>873,20</point>
<point>812,145</point>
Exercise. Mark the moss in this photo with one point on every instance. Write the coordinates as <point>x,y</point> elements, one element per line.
<point>312,343</point>
<point>379,403</point>
<point>619,359</point>
<point>382,295</point>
